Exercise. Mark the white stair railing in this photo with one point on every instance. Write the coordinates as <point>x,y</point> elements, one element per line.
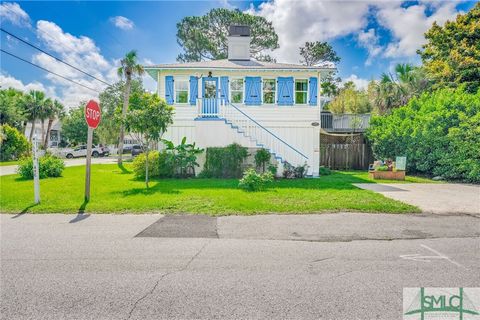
<point>251,129</point>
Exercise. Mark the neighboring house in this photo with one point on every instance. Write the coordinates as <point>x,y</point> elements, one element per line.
<point>55,132</point>
<point>275,106</point>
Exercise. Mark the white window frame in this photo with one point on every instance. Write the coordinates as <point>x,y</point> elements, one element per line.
<point>295,92</point>
<point>276,90</point>
<point>175,79</point>
<point>230,91</point>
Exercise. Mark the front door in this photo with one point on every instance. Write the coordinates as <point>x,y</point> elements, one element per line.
<point>209,95</point>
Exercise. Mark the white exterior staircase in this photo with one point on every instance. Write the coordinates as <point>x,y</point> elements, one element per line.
<point>245,125</point>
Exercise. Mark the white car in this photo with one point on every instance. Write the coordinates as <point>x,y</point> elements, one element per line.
<point>81,151</point>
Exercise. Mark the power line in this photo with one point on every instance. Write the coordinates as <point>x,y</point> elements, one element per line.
<point>36,65</point>
<point>50,55</point>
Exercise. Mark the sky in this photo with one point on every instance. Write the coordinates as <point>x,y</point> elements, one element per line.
<point>371,37</point>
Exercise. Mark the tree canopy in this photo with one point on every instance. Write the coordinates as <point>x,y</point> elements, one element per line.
<point>316,52</point>
<point>111,100</point>
<point>451,55</point>
<point>74,127</point>
<point>205,37</point>
<point>350,100</point>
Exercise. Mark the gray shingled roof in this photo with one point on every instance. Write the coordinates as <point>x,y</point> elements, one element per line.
<point>237,64</point>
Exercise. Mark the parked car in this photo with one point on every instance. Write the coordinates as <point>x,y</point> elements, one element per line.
<point>105,150</point>
<point>136,150</point>
<point>81,151</point>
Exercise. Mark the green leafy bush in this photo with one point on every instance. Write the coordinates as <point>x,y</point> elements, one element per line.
<point>324,171</point>
<point>439,133</point>
<point>224,162</point>
<point>160,165</point>
<point>262,157</point>
<point>273,169</point>
<point>48,166</point>
<point>382,168</point>
<point>252,181</point>
<point>184,157</point>
<point>13,143</point>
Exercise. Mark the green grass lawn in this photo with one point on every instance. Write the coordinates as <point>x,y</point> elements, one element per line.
<point>116,190</point>
<point>8,163</point>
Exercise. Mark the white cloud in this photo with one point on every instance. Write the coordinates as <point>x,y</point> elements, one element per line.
<point>7,81</point>
<point>11,11</point>
<point>299,21</point>
<point>360,84</point>
<point>81,52</point>
<point>370,41</point>
<point>122,22</point>
<point>310,20</point>
<point>408,25</point>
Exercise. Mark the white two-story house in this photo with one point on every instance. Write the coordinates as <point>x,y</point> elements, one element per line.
<point>275,106</point>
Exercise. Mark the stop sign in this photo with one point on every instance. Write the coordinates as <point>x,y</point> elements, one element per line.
<point>92,114</point>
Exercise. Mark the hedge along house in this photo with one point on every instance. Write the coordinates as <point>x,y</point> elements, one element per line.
<point>256,104</point>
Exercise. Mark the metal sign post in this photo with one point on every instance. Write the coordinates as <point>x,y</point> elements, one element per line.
<point>36,173</point>
<point>92,117</point>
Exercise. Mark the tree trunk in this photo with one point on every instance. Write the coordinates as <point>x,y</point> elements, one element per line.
<point>47,137</point>
<point>126,97</point>
<point>146,166</point>
<point>32,130</point>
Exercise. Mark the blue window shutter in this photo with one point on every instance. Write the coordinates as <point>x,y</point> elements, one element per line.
<point>253,90</point>
<point>248,90</point>
<point>224,88</point>
<point>312,87</point>
<point>285,91</point>
<point>169,89</point>
<point>193,90</point>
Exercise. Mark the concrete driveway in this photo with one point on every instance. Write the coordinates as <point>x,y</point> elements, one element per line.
<point>444,198</point>
<point>6,170</point>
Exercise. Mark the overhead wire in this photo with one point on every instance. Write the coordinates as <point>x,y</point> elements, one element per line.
<point>49,71</point>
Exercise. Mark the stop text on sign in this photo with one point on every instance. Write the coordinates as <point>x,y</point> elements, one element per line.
<point>93,114</point>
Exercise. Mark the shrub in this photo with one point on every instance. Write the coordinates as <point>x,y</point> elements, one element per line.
<point>252,181</point>
<point>324,171</point>
<point>382,168</point>
<point>184,157</point>
<point>291,172</point>
<point>273,169</point>
<point>224,162</point>
<point>160,165</point>
<point>437,132</point>
<point>48,166</point>
<point>13,144</point>
<point>262,157</point>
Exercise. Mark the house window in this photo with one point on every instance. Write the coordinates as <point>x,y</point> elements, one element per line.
<point>236,89</point>
<point>301,87</point>
<point>181,91</point>
<point>269,89</point>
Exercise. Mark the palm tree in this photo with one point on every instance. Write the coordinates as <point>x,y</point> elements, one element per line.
<point>44,113</point>
<point>33,104</point>
<point>394,90</point>
<point>129,68</point>
<point>56,111</point>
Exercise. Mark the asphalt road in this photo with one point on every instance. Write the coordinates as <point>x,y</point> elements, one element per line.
<point>330,266</point>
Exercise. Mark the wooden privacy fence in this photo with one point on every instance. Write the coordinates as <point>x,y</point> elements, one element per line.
<point>345,156</point>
